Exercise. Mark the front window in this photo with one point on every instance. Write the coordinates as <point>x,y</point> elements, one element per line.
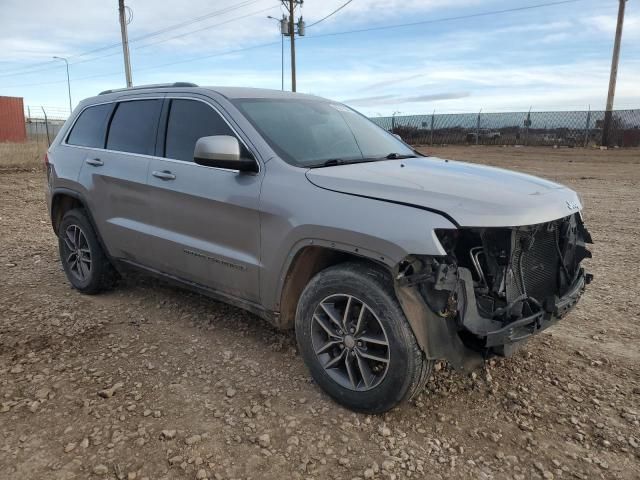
<point>188,121</point>
<point>312,133</point>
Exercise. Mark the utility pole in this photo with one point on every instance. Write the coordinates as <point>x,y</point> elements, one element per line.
<point>291,5</point>
<point>614,74</point>
<point>293,46</point>
<point>125,43</point>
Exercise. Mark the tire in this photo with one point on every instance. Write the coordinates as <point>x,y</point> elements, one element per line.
<point>87,267</point>
<point>355,287</point>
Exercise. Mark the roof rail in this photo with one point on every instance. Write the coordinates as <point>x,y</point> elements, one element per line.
<point>156,85</point>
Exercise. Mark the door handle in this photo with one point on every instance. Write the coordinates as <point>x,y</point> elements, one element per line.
<point>164,175</point>
<point>95,162</point>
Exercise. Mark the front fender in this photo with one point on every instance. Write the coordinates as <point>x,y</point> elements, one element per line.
<point>383,232</point>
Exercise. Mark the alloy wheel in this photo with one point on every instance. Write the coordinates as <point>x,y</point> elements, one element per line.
<point>77,252</point>
<point>350,342</point>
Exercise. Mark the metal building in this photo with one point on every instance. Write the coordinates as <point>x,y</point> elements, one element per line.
<point>12,124</point>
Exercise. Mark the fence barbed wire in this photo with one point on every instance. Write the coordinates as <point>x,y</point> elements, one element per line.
<point>554,128</point>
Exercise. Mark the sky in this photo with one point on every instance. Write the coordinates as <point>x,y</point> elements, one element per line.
<point>552,58</point>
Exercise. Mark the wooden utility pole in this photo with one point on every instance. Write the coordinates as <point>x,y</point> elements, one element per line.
<point>292,33</point>
<point>608,114</point>
<point>125,43</point>
<point>290,30</point>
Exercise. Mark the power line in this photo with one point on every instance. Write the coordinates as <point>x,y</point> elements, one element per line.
<point>331,14</point>
<point>155,33</point>
<point>139,47</point>
<point>423,22</point>
<point>446,19</point>
<point>245,3</point>
<point>36,67</point>
<point>191,32</point>
<point>220,54</point>
<point>151,67</point>
<point>215,13</point>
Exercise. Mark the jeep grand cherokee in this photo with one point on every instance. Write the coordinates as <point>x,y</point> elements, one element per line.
<point>304,212</point>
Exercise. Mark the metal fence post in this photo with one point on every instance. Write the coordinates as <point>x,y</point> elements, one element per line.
<point>478,128</point>
<point>586,128</point>
<point>29,130</point>
<point>46,125</point>
<point>432,121</point>
<point>527,124</point>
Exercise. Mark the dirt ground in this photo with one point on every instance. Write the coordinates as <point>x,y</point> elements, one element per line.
<point>150,381</point>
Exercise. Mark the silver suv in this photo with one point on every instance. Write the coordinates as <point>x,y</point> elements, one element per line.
<point>304,212</point>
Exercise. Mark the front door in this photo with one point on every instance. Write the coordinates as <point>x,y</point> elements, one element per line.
<point>206,220</point>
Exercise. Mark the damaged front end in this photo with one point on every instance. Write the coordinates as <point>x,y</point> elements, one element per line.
<point>495,287</point>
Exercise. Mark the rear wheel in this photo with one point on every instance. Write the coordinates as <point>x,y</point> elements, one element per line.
<point>84,262</point>
<point>356,341</point>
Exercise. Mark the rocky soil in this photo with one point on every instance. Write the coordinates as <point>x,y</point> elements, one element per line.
<point>150,381</point>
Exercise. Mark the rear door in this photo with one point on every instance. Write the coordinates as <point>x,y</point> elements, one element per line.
<point>206,220</point>
<point>116,178</point>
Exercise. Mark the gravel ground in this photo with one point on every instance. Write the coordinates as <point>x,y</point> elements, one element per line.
<point>150,381</point>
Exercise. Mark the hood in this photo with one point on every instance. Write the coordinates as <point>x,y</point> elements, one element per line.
<point>472,195</point>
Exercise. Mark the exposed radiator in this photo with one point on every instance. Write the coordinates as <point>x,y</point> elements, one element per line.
<point>535,254</point>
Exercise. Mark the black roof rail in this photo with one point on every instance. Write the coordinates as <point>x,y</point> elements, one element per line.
<point>156,85</point>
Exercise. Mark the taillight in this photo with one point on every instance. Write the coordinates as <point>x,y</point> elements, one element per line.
<point>46,158</point>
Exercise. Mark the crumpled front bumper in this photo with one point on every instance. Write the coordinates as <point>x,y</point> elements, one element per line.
<point>524,328</point>
<point>466,342</point>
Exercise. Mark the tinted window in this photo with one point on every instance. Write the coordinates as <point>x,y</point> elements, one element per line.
<point>91,126</point>
<point>133,127</point>
<point>188,121</point>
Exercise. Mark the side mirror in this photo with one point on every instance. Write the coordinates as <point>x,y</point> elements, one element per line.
<point>222,151</point>
<point>397,136</point>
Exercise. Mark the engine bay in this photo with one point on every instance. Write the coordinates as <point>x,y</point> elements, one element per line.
<point>500,285</point>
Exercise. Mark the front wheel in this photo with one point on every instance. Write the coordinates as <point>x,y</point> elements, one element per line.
<point>356,341</point>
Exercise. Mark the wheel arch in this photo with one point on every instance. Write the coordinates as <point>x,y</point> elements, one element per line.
<point>63,200</point>
<point>306,262</point>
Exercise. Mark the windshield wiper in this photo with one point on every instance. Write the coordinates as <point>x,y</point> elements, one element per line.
<point>397,156</point>
<point>340,161</point>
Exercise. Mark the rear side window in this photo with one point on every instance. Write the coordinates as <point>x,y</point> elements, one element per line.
<point>134,125</point>
<point>188,121</point>
<point>91,126</point>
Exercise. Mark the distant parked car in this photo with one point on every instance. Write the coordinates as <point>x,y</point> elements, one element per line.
<point>483,134</point>
<point>304,212</point>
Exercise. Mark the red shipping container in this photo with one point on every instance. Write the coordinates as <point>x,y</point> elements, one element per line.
<point>12,124</point>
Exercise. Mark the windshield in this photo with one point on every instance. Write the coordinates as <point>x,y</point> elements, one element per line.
<point>309,133</point>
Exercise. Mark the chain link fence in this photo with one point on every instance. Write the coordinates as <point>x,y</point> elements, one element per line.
<point>43,123</point>
<point>559,128</point>
<point>563,128</point>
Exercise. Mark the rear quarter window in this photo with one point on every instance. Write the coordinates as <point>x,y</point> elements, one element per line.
<point>91,127</point>
<point>134,126</point>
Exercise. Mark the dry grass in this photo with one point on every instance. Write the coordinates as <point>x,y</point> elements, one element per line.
<point>22,156</point>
